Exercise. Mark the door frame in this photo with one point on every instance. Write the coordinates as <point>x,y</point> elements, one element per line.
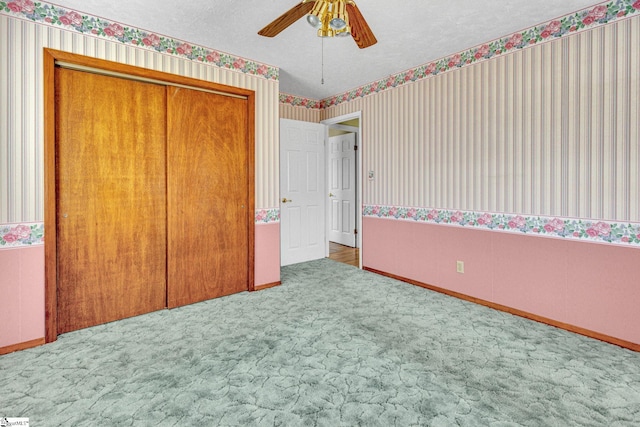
<point>51,57</point>
<point>334,123</point>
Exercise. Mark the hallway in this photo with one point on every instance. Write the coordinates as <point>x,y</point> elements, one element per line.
<point>344,254</point>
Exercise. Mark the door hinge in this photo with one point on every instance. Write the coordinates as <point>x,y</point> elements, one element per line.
<point>355,231</point>
<point>355,147</point>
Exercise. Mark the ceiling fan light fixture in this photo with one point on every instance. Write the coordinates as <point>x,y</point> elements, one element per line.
<point>338,23</point>
<point>338,15</point>
<point>345,32</point>
<point>314,21</point>
<point>316,16</point>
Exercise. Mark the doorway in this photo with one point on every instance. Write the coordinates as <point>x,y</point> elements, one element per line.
<point>344,213</point>
<point>306,200</point>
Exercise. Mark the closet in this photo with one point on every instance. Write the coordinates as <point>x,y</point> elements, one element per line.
<point>153,196</point>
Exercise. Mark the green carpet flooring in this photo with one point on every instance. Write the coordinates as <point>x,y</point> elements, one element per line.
<point>332,346</point>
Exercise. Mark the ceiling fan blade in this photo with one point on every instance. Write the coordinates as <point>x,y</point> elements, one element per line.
<point>286,19</point>
<point>360,31</point>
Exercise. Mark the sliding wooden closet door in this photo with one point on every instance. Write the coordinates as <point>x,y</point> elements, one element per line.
<point>111,198</point>
<point>207,190</point>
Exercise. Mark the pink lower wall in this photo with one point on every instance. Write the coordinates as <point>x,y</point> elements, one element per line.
<point>589,285</point>
<point>267,262</point>
<point>22,284</point>
<point>21,294</point>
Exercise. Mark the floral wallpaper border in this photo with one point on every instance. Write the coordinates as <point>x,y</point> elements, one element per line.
<point>627,234</point>
<point>55,16</point>
<point>267,216</point>
<point>582,20</point>
<point>32,233</point>
<point>298,101</point>
<point>18,235</point>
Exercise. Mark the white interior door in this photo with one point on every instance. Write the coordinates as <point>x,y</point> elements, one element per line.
<point>302,191</point>
<point>342,189</point>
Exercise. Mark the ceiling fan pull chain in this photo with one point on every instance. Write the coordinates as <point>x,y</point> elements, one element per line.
<point>322,55</point>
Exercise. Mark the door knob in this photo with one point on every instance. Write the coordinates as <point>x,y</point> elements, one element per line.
<point>331,195</point>
<point>285,200</point>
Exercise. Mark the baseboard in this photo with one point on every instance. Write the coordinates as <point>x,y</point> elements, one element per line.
<point>566,326</point>
<point>21,346</point>
<point>267,286</point>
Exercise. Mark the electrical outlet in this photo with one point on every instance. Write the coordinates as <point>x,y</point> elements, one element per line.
<point>460,267</point>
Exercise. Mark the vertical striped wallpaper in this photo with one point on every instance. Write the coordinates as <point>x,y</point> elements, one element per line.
<point>549,130</point>
<point>288,111</point>
<point>21,109</point>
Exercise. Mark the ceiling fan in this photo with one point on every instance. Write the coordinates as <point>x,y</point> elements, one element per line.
<point>340,18</point>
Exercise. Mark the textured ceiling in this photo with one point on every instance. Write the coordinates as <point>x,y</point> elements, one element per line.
<point>409,33</point>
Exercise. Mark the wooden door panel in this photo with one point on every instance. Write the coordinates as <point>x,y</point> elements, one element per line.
<point>207,190</point>
<point>111,198</point>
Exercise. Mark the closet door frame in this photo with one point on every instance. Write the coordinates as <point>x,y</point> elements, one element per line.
<point>51,57</point>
